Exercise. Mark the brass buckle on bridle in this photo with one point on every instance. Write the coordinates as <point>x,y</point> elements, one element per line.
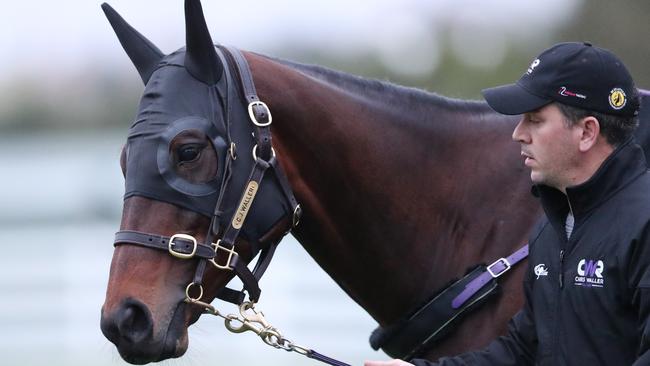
<point>251,113</point>
<point>231,252</point>
<point>171,244</point>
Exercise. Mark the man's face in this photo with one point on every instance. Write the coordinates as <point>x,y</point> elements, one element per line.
<point>549,147</point>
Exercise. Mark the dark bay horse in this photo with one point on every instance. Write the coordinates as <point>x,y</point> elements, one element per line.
<point>402,190</point>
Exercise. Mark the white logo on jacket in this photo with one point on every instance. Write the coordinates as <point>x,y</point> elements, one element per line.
<point>540,270</point>
<point>590,273</point>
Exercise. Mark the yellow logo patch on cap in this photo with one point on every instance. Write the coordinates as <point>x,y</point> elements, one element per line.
<point>617,98</point>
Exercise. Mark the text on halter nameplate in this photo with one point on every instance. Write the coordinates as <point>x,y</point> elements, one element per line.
<point>245,205</point>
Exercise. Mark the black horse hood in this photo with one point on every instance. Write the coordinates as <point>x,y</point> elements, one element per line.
<point>192,89</point>
<point>174,101</point>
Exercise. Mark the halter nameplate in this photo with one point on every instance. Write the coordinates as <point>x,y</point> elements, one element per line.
<point>245,205</point>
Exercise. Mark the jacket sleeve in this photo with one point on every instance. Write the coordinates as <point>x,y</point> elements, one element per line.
<point>639,282</point>
<point>517,347</point>
<point>643,297</point>
<point>641,300</point>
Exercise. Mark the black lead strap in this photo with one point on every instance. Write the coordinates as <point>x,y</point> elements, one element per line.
<point>322,358</point>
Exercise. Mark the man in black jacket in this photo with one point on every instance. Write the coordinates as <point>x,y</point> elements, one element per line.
<point>588,284</point>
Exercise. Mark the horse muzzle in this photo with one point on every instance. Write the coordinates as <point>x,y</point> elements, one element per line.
<point>130,326</point>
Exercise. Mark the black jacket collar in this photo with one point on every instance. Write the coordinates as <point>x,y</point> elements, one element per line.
<point>622,166</point>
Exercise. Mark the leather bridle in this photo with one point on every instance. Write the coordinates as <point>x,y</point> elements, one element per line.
<point>184,246</point>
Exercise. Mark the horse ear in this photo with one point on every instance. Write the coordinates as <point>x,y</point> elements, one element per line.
<point>144,54</point>
<point>201,59</point>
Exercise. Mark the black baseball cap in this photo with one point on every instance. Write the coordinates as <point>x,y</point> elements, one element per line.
<point>575,73</point>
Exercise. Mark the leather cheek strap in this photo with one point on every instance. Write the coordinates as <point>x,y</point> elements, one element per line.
<point>180,245</point>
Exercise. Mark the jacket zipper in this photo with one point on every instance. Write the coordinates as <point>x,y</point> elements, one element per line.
<point>566,242</point>
<point>561,279</point>
<point>561,268</point>
<point>558,318</point>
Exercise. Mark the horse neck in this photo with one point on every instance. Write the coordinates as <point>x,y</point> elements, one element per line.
<point>386,204</point>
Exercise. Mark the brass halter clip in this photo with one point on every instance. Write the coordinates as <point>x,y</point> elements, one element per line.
<point>252,320</point>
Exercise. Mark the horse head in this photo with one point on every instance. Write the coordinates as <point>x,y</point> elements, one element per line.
<point>189,191</point>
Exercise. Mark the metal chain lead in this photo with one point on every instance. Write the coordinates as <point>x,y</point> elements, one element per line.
<point>254,321</point>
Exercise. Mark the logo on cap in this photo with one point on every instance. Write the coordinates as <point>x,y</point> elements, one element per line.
<point>617,98</point>
<point>567,93</point>
<point>532,66</point>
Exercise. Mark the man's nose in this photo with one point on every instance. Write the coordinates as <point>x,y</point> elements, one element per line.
<point>519,134</point>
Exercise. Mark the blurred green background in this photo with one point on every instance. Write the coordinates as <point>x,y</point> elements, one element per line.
<point>68,94</point>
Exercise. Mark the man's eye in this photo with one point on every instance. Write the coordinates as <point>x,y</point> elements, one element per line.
<point>188,153</point>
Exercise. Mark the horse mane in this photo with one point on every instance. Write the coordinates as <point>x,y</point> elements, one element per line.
<point>395,96</point>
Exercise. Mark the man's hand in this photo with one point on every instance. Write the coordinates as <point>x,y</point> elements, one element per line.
<point>387,363</point>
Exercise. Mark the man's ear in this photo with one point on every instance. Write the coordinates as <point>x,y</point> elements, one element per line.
<point>590,133</point>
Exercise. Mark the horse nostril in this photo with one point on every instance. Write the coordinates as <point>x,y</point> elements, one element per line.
<point>134,322</point>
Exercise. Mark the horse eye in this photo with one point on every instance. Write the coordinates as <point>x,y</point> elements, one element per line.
<point>188,153</point>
